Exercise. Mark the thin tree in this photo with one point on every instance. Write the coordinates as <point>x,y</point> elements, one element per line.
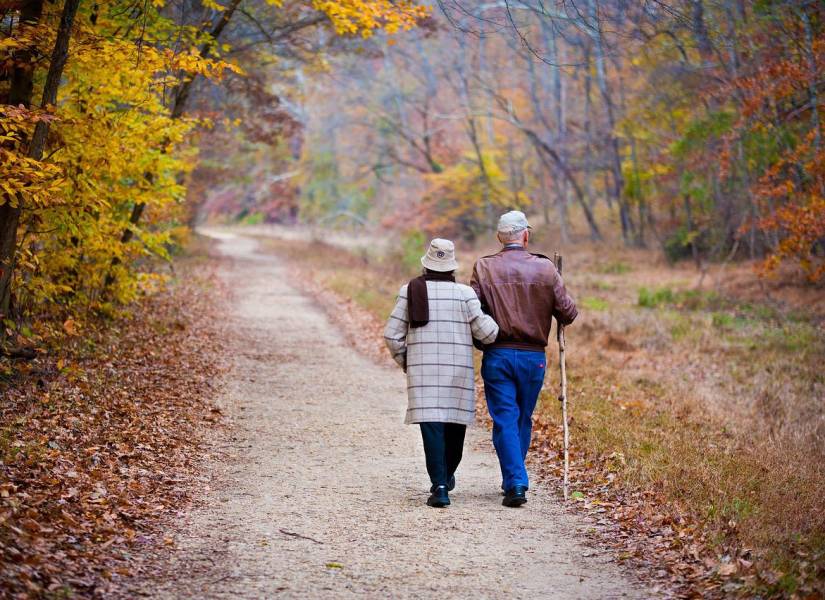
<point>21,93</point>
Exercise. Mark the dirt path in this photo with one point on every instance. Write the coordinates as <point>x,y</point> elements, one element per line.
<point>323,492</point>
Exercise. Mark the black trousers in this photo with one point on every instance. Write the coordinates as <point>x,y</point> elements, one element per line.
<point>443,446</point>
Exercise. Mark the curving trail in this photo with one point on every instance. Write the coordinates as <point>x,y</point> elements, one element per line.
<point>322,493</point>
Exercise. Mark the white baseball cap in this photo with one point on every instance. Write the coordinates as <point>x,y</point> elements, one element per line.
<point>515,220</point>
<point>440,256</point>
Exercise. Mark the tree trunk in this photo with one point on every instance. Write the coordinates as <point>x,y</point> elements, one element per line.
<point>544,174</point>
<point>812,77</point>
<point>617,188</point>
<point>562,186</point>
<point>126,236</point>
<point>555,127</point>
<point>473,133</point>
<point>545,150</point>
<point>694,248</point>
<point>588,132</point>
<point>700,31</point>
<point>487,194</point>
<point>22,77</point>
<point>9,218</point>
<point>640,200</point>
<point>184,90</point>
<point>21,93</point>
<point>562,190</point>
<point>482,68</point>
<point>60,54</point>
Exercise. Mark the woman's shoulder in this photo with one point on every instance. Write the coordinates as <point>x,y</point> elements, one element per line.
<point>467,293</point>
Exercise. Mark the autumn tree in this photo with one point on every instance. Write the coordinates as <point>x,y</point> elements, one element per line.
<point>94,174</point>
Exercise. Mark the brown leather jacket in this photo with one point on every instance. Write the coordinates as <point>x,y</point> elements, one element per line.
<point>522,292</point>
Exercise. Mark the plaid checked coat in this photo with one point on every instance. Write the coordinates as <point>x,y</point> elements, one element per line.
<point>439,356</point>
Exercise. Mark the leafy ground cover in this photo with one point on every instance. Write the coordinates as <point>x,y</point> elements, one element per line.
<point>99,436</point>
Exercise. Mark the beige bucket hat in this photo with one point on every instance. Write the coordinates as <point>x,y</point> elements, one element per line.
<point>513,221</point>
<point>440,256</point>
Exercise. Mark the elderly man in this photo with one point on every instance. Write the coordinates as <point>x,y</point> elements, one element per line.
<point>522,292</point>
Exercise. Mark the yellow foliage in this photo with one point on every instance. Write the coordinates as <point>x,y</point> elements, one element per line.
<point>462,202</point>
<point>113,145</point>
<point>213,5</point>
<point>115,151</point>
<point>363,17</point>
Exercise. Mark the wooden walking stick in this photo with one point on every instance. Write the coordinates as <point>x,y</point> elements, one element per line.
<point>563,391</point>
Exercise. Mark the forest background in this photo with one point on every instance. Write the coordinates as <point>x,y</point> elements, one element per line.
<point>673,148</point>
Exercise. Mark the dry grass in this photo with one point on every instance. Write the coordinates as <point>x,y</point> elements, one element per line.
<point>758,494</point>
<point>710,405</point>
<point>372,284</point>
<point>715,404</point>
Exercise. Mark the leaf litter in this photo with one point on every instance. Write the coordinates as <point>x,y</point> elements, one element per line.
<point>99,440</point>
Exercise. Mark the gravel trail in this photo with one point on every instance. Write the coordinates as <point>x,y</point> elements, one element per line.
<point>322,491</point>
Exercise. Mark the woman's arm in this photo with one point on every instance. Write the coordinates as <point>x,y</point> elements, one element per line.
<point>395,331</point>
<point>483,326</point>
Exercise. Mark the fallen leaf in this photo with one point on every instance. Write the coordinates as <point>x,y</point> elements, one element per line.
<point>70,327</point>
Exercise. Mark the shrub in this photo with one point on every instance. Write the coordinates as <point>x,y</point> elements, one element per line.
<point>677,245</point>
<point>254,218</point>
<point>721,320</point>
<point>653,298</point>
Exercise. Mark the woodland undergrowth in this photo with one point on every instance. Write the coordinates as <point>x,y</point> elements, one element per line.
<point>98,439</point>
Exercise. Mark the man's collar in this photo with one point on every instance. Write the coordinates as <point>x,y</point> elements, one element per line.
<point>512,247</point>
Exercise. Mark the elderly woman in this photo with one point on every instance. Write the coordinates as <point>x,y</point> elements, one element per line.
<point>430,335</point>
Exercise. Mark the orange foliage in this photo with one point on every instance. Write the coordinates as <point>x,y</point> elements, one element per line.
<point>778,101</point>
<point>801,220</point>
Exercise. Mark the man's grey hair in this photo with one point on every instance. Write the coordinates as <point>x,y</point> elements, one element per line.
<point>508,237</point>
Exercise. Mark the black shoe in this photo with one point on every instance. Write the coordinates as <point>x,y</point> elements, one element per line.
<point>439,497</point>
<point>515,496</point>
<point>450,486</point>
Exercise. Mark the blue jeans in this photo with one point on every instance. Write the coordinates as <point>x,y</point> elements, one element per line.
<point>512,382</point>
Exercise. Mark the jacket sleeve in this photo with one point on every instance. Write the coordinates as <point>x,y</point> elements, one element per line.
<point>476,285</point>
<point>484,328</point>
<point>564,309</point>
<point>395,331</point>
